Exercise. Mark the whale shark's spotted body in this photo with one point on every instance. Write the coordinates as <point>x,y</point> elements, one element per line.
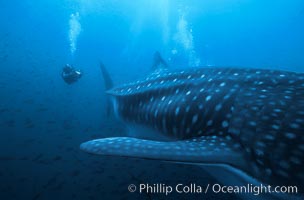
<point>250,119</point>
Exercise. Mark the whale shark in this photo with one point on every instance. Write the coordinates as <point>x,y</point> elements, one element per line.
<point>248,119</point>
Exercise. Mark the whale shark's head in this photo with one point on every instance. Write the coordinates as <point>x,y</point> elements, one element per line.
<point>249,119</point>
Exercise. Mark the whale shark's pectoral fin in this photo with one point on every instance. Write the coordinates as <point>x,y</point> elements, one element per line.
<point>206,149</point>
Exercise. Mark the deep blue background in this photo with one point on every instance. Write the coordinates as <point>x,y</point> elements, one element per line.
<point>43,120</point>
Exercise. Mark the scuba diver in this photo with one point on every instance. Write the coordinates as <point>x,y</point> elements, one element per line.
<point>70,75</point>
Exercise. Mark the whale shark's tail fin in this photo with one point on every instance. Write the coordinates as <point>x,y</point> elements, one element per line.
<point>158,62</point>
<point>108,85</point>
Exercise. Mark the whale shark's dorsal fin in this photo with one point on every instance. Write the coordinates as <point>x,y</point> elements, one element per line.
<point>106,77</point>
<point>158,62</point>
<point>108,83</point>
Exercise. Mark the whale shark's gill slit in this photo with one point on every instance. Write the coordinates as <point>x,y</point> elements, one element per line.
<point>205,149</point>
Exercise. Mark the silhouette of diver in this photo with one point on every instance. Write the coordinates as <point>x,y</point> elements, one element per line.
<point>70,75</point>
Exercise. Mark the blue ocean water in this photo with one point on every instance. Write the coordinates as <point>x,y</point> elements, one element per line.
<point>43,120</point>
